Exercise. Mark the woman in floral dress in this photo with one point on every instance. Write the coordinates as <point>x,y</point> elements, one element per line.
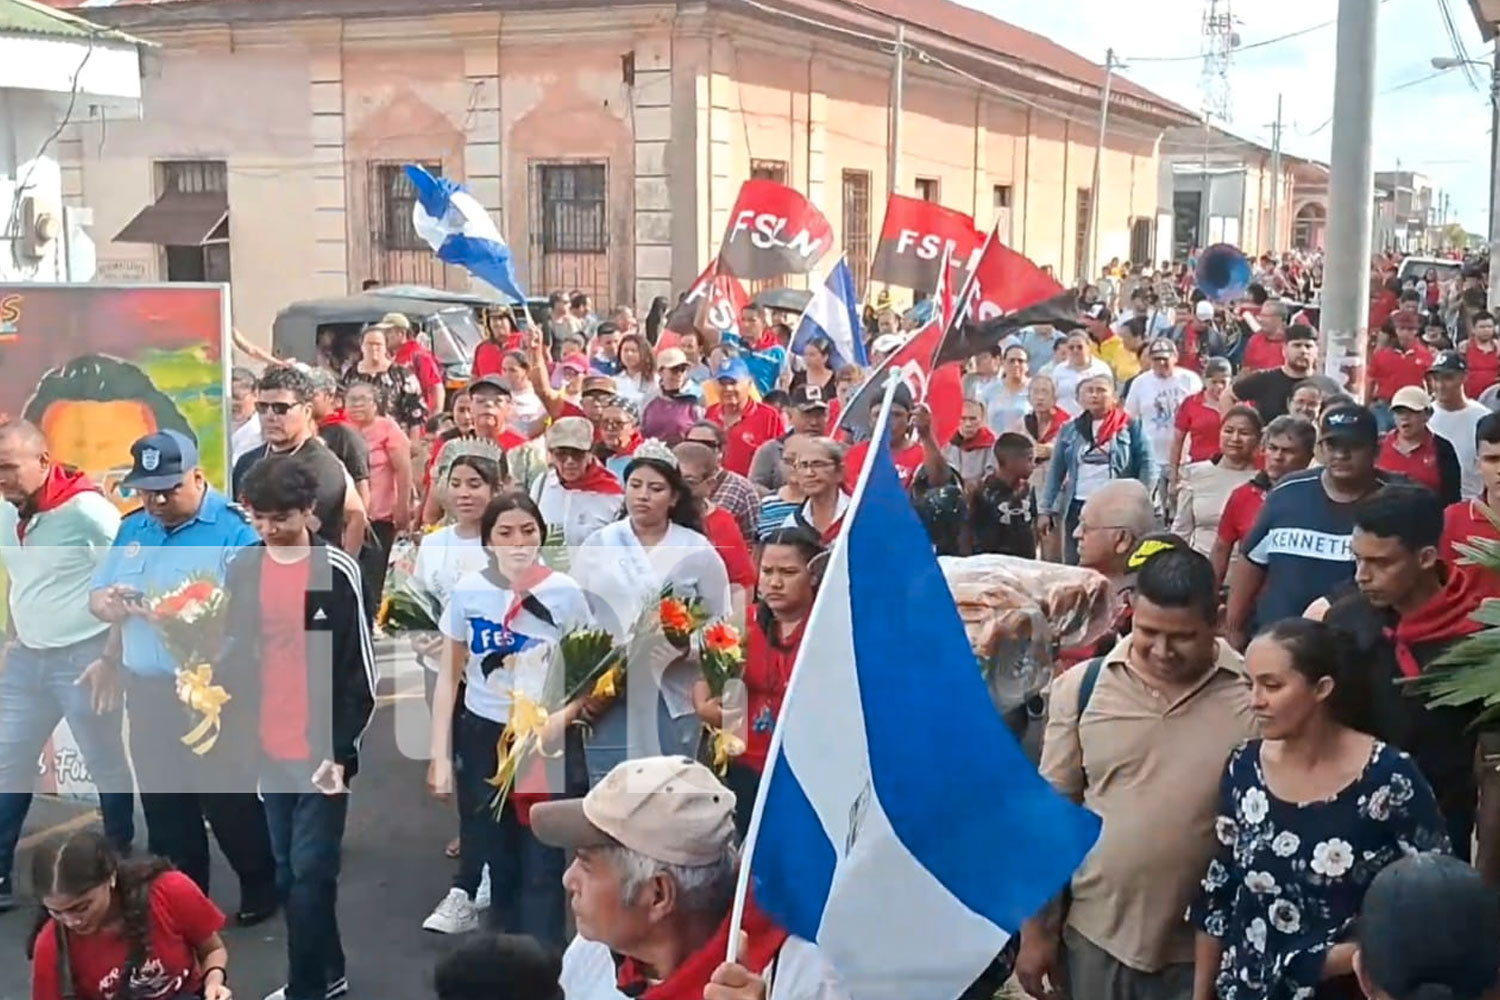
<point>1309,815</point>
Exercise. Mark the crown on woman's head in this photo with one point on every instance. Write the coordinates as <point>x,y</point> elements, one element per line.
<point>654,449</point>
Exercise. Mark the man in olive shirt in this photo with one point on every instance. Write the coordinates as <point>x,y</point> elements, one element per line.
<point>1140,737</point>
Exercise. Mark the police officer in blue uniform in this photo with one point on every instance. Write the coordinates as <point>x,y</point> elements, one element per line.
<point>185,530</point>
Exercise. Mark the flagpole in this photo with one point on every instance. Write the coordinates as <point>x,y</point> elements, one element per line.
<point>837,551</point>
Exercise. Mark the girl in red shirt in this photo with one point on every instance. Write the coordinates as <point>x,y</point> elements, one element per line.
<point>119,929</point>
<point>790,569</point>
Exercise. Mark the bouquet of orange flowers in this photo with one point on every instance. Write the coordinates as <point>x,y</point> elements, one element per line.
<point>191,621</point>
<point>721,655</point>
<point>679,617</point>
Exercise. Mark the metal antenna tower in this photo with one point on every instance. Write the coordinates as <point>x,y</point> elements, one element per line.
<point>1219,42</point>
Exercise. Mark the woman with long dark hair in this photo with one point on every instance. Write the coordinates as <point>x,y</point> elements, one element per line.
<point>656,547</point>
<point>790,569</point>
<point>636,380</point>
<point>818,356</point>
<point>1309,814</point>
<point>512,612</point>
<point>113,929</point>
<point>448,554</point>
<point>656,317</point>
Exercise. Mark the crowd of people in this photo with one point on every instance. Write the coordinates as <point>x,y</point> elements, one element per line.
<point>1284,557</point>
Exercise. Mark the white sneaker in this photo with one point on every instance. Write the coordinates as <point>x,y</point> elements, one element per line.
<point>456,914</point>
<point>482,895</point>
<point>335,990</point>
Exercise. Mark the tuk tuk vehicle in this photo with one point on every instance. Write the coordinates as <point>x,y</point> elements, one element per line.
<point>539,309</point>
<point>327,332</point>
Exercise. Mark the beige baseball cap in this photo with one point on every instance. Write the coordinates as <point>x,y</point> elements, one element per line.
<point>571,432</point>
<point>670,809</point>
<point>397,320</point>
<point>672,357</point>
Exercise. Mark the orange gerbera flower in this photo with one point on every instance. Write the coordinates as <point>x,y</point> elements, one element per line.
<point>675,616</point>
<point>721,638</point>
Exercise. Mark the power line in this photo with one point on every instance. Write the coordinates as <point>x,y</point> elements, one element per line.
<point>1241,48</point>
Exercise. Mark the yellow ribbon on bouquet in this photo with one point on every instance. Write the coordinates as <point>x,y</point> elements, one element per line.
<point>608,684</point>
<point>726,746</point>
<point>196,689</point>
<point>524,730</point>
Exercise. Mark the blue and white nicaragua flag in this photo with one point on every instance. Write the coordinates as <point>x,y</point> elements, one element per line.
<point>833,313</point>
<point>461,232</point>
<point>899,825</point>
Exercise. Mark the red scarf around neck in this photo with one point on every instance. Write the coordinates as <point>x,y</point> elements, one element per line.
<point>336,417</point>
<point>688,980</point>
<point>982,441</point>
<point>1104,430</point>
<point>1445,616</point>
<point>61,485</point>
<point>595,479</point>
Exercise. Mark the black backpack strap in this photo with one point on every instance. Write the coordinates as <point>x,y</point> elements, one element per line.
<point>1090,680</point>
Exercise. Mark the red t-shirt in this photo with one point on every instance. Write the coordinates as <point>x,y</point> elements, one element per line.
<point>758,424</point>
<point>768,668</point>
<point>182,918</point>
<point>489,359</point>
<point>419,360</point>
<point>1262,353</point>
<point>283,677</point>
<point>1200,421</point>
<point>1461,522</point>
<point>1484,369</point>
<point>1392,369</point>
<point>1419,465</point>
<point>908,460</point>
<point>1241,509</point>
<point>720,527</point>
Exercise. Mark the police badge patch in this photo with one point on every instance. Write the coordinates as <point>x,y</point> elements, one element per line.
<point>150,459</point>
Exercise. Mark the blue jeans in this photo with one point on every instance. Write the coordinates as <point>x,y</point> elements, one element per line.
<point>307,834</point>
<point>38,687</point>
<point>526,889</point>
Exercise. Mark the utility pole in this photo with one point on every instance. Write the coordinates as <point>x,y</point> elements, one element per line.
<point>1494,293</point>
<point>898,91</point>
<point>1351,196</point>
<point>1087,272</point>
<point>1276,246</point>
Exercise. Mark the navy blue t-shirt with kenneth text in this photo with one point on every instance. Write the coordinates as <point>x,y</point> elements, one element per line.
<point>1302,540</point>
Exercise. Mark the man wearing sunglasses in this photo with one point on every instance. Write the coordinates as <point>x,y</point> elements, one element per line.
<point>284,405</point>
<point>185,530</point>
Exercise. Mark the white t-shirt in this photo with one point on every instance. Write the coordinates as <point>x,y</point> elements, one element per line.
<point>509,651</point>
<point>444,558</point>
<point>1093,472</point>
<point>1457,426</point>
<point>1155,400</point>
<point>245,438</point>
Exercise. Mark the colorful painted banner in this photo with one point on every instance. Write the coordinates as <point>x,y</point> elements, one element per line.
<point>96,367</point>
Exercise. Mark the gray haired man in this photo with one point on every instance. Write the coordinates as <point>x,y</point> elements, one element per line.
<point>652,886</point>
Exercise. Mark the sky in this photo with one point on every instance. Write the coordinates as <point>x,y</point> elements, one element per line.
<point>1432,122</point>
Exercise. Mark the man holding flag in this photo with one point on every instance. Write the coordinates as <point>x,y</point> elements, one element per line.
<point>651,885</point>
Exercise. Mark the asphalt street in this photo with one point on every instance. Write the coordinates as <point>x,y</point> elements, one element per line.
<point>394,869</point>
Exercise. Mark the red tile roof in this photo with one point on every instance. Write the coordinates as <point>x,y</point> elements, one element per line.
<point>972,27</point>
